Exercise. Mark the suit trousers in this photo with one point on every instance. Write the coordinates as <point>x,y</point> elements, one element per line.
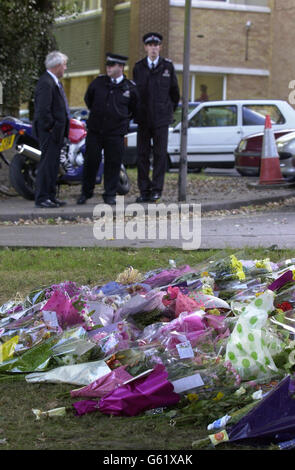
<point>48,167</point>
<point>159,136</point>
<point>113,146</point>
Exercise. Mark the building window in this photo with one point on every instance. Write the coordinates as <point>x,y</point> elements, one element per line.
<point>205,87</point>
<point>260,3</point>
<point>121,31</point>
<point>84,5</point>
<point>80,41</point>
<point>90,5</point>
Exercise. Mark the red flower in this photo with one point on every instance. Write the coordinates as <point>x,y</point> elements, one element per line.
<point>285,306</point>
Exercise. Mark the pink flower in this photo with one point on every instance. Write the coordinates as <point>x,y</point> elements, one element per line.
<point>173,292</point>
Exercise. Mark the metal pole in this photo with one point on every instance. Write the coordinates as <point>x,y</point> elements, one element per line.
<point>185,97</point>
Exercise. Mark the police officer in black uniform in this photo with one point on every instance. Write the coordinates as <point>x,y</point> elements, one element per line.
<point>112,100</point>
<point>158,90</point>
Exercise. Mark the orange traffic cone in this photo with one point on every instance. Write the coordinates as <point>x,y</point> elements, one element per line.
<point>270,171</point>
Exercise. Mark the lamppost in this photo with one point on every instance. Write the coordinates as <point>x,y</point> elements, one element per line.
<point>248,27</point>
<point>185,97</point>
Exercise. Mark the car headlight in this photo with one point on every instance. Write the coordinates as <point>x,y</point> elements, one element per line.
<point>242,145</point>
<point>280,145</point>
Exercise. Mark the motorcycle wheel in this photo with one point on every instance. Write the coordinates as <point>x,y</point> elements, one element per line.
<point>124,183</point>
<point>7,191</point>
<point>22,173</point>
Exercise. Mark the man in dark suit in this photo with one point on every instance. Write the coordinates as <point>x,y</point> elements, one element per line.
<point>158,89</point>
<point>50,126</point>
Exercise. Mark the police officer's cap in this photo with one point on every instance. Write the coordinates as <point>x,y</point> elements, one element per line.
<point>112,59</point>
<point>152,37</point>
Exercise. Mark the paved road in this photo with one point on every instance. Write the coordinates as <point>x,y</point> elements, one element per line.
<point>221,171</point>
<point>268,229</point>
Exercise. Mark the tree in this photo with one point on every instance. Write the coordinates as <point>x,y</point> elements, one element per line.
<point>26,36</point>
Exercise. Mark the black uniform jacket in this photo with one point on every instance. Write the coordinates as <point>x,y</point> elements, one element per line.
<point>50,110</point>
<point>158,92</point>
<point>111,106</point>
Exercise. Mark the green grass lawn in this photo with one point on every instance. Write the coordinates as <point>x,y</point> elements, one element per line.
<point>24,270</point>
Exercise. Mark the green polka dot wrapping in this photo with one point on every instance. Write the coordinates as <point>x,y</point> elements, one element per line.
<point>246,363</point>
<point>252,344</point>
<point>239,328</point>
<point>258,302</point>
<point>232,356</point>
<point>253,320</point>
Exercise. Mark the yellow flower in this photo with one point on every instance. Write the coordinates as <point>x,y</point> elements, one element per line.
<point>192,397</point>
<point>207,290</point>
<point>241,275</point>
<point>237,267</point>
<point>219,396</point>
<point>129,276</point>
<point>263,264</point>
<point>258,294</point>
<point>293,271</point>
<point>214,311</point>
<point>204,274</point>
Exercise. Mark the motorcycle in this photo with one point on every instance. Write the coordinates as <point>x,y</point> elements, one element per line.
<point>6,190</point>
<point>18,135</point>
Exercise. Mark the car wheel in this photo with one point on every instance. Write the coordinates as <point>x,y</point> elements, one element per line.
<point>247,173</point>
<point>195,170</point>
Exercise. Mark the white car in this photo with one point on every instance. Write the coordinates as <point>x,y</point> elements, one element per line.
<point>216,128</point>
<point>286,151</point>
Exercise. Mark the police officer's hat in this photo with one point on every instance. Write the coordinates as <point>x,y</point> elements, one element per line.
<point>112,59</point>
<point>152,37</point>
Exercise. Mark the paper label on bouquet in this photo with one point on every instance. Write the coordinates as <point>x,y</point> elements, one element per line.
<point>185,350</point>
<point>50,318</point>
<point>187,383</point>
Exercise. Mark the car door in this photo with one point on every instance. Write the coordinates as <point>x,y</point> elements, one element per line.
<point>213,134</point>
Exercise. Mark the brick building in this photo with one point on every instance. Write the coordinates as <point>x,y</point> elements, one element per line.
<point>239,48</point>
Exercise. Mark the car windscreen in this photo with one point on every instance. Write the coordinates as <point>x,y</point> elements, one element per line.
<point>178,113</point>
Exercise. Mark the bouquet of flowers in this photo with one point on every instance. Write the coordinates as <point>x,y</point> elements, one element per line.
<point>227,269</point>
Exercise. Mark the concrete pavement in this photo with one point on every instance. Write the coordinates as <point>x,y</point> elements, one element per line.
<point>237,231</point>
<point>259,230</point>
<point>13,209</point>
